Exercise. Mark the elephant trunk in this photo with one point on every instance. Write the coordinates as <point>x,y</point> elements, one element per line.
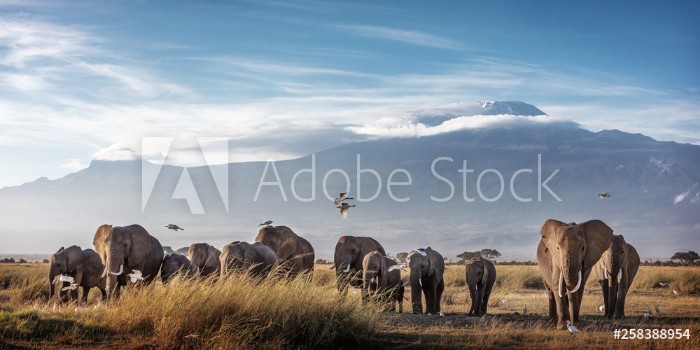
<point>367,277</point>
<point>613,285</point>
<point>52,285</point>
<point>114,260</point>
<point>416,289</point>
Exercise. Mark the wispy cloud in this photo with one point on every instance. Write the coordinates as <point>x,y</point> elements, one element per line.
<point>402,35</point>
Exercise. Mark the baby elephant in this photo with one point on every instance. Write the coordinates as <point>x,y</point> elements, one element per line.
<point>174,264</point>
<point>381,275</point>
<point>257,258</point>
<point>481,275</point>
<point>77,268</point>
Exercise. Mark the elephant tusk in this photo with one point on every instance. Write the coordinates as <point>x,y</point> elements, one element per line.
<point>121,269</point>
<point>347,269</point>
<point>607,276</point>
<point>561,280</point>
<point>619,276</point>
<point>578,284</point>
<point>104,273</point>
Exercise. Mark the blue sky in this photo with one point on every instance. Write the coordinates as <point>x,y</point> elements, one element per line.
<point>86,80</point>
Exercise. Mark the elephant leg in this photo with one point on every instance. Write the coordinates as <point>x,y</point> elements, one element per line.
<point>606,300</point>
<point>473,294</point>
<point>485,302</point>
<point>552,305</point>
<point>562,306</point>
<point>573,308</point>
<point>104,293</point>
<point>429,293</point>
<point>86,292</point>
<point>438,296</point>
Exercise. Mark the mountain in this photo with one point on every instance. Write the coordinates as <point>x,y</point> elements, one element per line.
<point>549,170</point>
<point>439,114</point>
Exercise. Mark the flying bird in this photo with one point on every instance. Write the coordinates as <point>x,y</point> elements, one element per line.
<point>572,329</point>
<point>604,195</point>
<point>344,209</point>
<point>135,276</point>
<point>341,198</point>
<point>174,227</point>
<point>266,223</point>
<point>658,310</point>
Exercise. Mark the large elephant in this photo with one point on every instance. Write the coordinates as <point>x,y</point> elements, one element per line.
<point>124,249</point>
<point>257,258</point>
<point>427,269</point>
<point>381,277</point>
<point>83,266</point>
<point>566,255</point>
<point>481,275</point>
<point>205,257</point>
<point>176,263</point>
<point>349,252</point>
<point>615,272</point>
<point>295,253</point>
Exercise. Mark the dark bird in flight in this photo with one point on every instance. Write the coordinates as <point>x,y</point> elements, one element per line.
<point>266,223</point>
<point>174,227</point>
<point>341,198</point>
<point>344,209</point>
<point>604,195</point>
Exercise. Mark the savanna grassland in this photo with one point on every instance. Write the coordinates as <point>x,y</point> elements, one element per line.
<point>240,312</point>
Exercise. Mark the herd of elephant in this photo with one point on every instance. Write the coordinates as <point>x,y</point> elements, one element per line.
<point>567,254</point>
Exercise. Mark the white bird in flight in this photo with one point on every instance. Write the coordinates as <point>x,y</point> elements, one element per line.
<point>135,276</point>
<point>341,198</point>
<point>572,329</point>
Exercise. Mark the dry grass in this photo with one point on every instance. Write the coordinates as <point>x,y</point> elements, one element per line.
<point>240,312</point>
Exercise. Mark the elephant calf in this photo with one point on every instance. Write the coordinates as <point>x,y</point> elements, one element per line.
<point>84,267</point>
<point>381,276</point>
<point>205,257</point>
<point>174,264</point>
<point>481,275</point>
<point>257,258</point>
<point>615,272</point>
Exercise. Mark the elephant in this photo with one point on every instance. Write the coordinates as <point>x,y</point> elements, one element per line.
<point>128,252</point>
<point>83,266</point>
<point>257,258</point>
<point>176,263</point>
<point>294,252</point>
<point>615,272</point>
<point>349,252</point>
<point>481,275</point>
<point>566,255</point>
<point>381,276</point>
<point>205,257</point>
<point>427,269</point>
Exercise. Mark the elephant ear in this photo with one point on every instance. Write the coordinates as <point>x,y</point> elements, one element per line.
<point>140,244</point>
<point>598,239</point>
<point>212,257</point>
<point>383,273</point>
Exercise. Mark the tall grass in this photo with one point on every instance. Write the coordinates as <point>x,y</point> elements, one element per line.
<point>234,312</point>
